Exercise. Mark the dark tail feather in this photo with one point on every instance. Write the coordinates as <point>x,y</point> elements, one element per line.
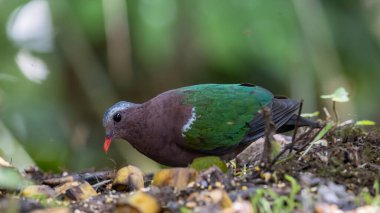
<point>291,123</point>
<point>282,110</point>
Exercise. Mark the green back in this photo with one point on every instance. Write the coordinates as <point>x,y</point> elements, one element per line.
<point>223,112</point>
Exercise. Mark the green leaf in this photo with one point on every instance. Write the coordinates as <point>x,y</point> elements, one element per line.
<point>12,149</point>
<point>365,123</point>
<point>310,115</point>
<point>260,194</point>
<point>295,186</point>
<point>185,210</point>
<point>376,187</point>
<point>11,179</point>
<point>203,163</point>
<point>276,149</point>
<point>340,95</point>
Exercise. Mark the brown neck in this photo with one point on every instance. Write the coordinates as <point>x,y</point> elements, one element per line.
<point>134,123</point>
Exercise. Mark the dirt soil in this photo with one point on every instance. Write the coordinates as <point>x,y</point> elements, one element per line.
<point>337,172</point>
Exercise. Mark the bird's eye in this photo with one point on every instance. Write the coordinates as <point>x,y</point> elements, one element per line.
<point>117,117</point>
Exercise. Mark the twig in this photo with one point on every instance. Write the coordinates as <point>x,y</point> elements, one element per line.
<point>308,143</point>
<point>328,116</point>
<point>91,177</point>
<point>101,183</point>
<point>318,137</point>
<point>269,127</point>
<point>304,135</point>
<point>95,176</point>
<point>296,126</point>
<point>291,145</point>
<point>335,113</point>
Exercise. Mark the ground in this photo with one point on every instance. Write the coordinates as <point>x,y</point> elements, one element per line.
<point>325,170</point>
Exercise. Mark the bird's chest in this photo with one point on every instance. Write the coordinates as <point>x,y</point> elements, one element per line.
<point>160,128</point>
<point>161,143</point>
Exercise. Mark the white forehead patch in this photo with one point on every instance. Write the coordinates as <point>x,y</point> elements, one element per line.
<point>191,120</point>
<point>122,105</point>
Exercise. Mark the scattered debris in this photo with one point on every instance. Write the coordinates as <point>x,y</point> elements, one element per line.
<point>128,178</point>
<point>38,191</point>
<point>81,192</point>
<point>175,177</point>
<point>337,173</point>
<point>138,202</point>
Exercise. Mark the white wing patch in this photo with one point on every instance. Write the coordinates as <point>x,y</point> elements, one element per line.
<point>188,124</point>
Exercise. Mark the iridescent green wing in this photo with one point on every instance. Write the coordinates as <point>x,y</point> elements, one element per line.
<point>221,114</point>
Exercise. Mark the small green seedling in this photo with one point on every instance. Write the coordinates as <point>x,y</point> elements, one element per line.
<point>294,185</point>
<point>185,210</point>
<point>266,200</point>
<point>339,95</point>
<point>365,197</point>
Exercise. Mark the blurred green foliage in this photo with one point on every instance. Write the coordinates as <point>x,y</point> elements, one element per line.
<point>104,51</point>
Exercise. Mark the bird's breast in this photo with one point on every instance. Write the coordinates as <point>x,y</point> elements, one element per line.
<point>157,130</point>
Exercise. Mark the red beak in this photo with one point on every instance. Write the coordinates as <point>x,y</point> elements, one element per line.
<point>107,143</point>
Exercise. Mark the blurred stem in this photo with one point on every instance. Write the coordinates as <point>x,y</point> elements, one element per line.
<point>118,41</point>
<point>321,46</point>
<point>81,57</point>
<point>335,112</point>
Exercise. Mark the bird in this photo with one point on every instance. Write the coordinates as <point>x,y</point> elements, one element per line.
<point>182,124</point>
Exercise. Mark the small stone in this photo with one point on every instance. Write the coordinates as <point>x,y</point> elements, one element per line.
<point>365,209</point>
<point>266,176</point>
<point>191,204</point>
<point>53,210</point>
<point>219,184</point>
<point>281,185</point>
<point>257,169</point>
<point>240,206</point>
<point>327,208</point>
<point>220,197</point>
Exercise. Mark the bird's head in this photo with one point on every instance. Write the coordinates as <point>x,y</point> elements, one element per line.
<point>113,121</point>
